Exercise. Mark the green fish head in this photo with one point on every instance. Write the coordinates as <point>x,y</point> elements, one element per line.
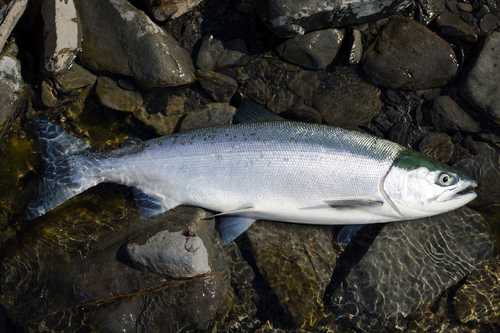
<point>420,186</point>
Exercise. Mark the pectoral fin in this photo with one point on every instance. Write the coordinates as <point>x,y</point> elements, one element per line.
<point>232,226</point>
<point>346,204</point>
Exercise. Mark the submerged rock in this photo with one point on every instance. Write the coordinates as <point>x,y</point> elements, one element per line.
<point>111,95</point>
<point>74,78</point>
<point>409,263</point>
<point>446,115</point>
<point>287,18</point>
<point>9,16</point>
<point>119,38</point>
<point>406,55</point>
<point>479,82</point>
<point>437,146</point>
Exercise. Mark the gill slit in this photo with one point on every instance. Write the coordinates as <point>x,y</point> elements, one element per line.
<point>386,196</point>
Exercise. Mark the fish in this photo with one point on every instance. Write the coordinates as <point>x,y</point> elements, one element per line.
<point>261,168</point>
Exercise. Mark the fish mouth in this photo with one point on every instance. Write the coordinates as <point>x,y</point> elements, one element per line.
<point>463,193</point>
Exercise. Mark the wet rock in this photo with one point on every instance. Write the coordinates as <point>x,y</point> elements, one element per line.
<point>211,50</point>
<point>163,10</point>
<point>62,35</point>
<point>358,105</point>
<point>9,16</point>
<point>406,55</point>
<point>454,28</point>
<point>13,90</point>
<point>488,22</point>
<point>74,78</point>
<point>302,83</point>
<point>409,263</point>
<point>119,38</point>
<point>209,115</point>
<point>400,133</point>
<point>479,82</point>
<point>438,146</point>
<point>314,50</point>
<point>287,18</point>
<point>258,90</point>
<point>356,50</point>
<point>112,96</point>
<point>478,299</point>
<point>281,101</point>
<point>303,113</point>
<point>162,124</point>
<point>234,52</point>
<point>220,87</point>
<point>446,115</point>
<point>297,261</point>
<point>49,94</point>
<point>171,254</point>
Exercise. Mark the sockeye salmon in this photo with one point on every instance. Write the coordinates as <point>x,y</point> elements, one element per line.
<point>275,170</point>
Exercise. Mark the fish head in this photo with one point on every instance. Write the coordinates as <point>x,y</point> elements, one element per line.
<point>420,186</point>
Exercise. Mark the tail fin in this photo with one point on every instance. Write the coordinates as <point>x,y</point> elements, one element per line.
<point>64,166</point>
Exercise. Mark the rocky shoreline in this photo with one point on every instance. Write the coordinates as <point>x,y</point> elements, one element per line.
<point>423,73</point>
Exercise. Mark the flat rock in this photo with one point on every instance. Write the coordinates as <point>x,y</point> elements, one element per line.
<point>219,86</point>
<point>408,264</point>
<point>74,78</point>
<point>62,35</point>
<point>9,16</point>
<point>406,55</point>
<point>209,115</point>
<point>112,96</point>
<point>287,18</point>
<point>314,50</point>
<point>479,82</point>
<point>297,261</point>
<point>446,115</point>
<point>119,38</point>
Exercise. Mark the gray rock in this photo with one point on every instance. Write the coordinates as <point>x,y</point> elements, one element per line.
<point>488,22</point>
<point>171,254</point>
<point>454,28</point>
<point>62,35</point>
<point>287,18</point>
<point>356,50</point>
<point>9,16</point>
<point>112,96</point>
<point>438,146</point>
<point>163,10</point>
<point>119,38</point>
<point>348,109</point>
<point>234,52</point>
<point>208,116</point>
<point>304,269</point>
<point>409,263</point>
<point>303,113</point>
<point>479,82</point>
<point>220,87</point>
<point>406,55</point>
<point>314,50</point>
<point>446,115</point>
<point>211,49</point>
<point>74,78</point>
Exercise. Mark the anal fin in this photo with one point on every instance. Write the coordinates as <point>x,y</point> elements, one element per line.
<point>345,234</point>
<point>149,203</point>
<point>231,227</point>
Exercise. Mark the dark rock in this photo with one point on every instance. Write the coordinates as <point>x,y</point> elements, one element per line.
<point>314,50</point>
<point>297,261</point>
<point>392,115</point>
<point>163,10</point>
<point>287,18</point>
<point>302,83</point>
<point>281,101</point>
<point>359,105</point>
<point>49,94</point>
<point>234,51</point>
<point>62,35</point>
<point>9,16</point>
<point>119,38</point>
<point>446,115</point>
<point>479,82</point>
<point>258,90</point>
<point>74,78</point>
<point>208,116</point>
<point>211,50</point>
<point>438,146</point>
<point>162,124</point>
<point>303,113</point>
<point>409,263</point>
<point>110,95</point>
<point>400,133</point>
<point>454,28</point>
<point>488,22</point>
<point>126,84</point>
<point>220,87</point>
<point>356,50</point>
<point>406,55</point>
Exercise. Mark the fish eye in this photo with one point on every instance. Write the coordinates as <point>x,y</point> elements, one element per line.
<point>445,179</point>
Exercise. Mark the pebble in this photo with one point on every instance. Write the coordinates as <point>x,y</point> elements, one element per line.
<point>49,94</point>
<point>356,50</point>
<point>466,7</point>
<point>210,51</point>
<point>220,87</point>
<point>479,81</point>
<point>121,39</point>
<point>162,124</point>
<point>438,146</point>
<point>258,90</point>
<point>400,133</point>
<point>234,52</point>
<point>209,115</point>
<point>488,22</point>
<point>74,78</point>
<point>302,83</point>
<point>314,50</point>
<point>445,115</point>
<point>454,28</point>
<point>164,10</point>
<point>406,55</point>
<point>110,95</point>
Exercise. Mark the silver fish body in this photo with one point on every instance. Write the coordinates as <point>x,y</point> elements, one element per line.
<point>280,170</point>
